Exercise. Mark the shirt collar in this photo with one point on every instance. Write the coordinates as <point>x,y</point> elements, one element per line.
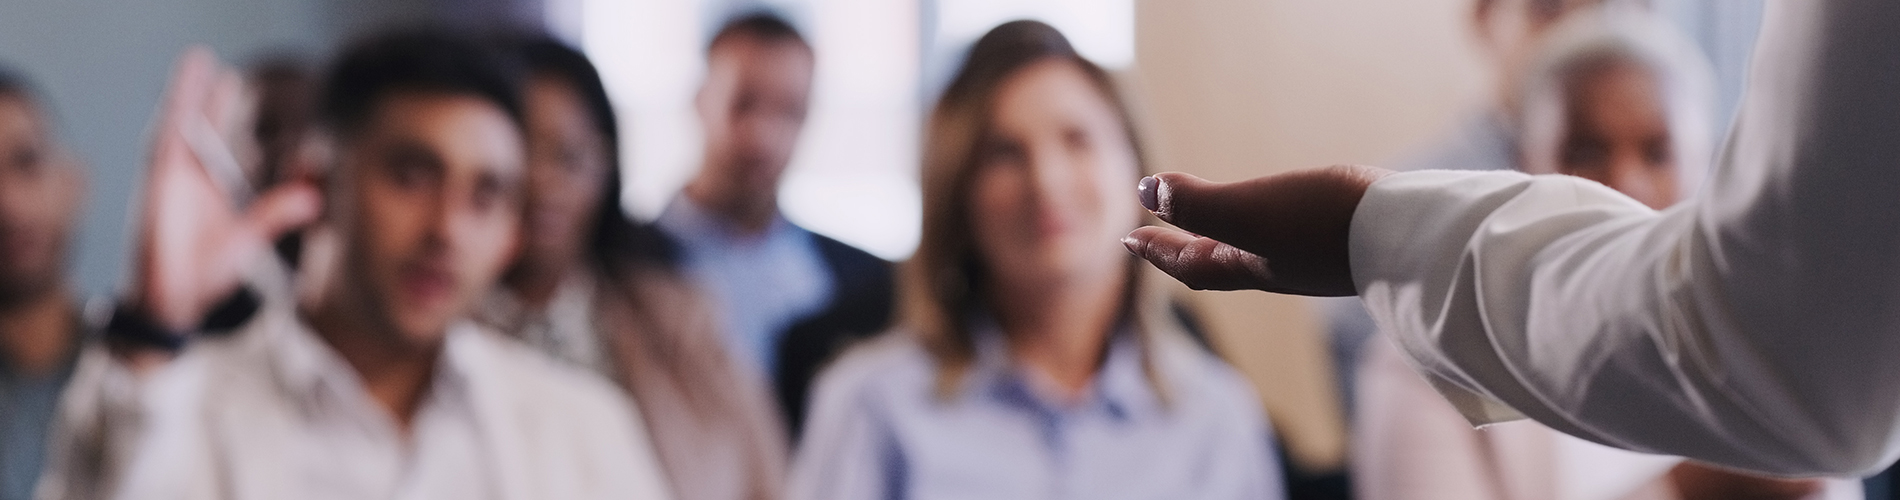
<point>313,373</point>
<point>696,226</point>
<point>1120,390</point>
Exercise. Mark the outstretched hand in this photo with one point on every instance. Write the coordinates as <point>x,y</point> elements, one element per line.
<point>1284,233</point>
<point>194,240</point>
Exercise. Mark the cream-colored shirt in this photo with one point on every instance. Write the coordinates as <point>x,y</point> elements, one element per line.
<point>274,413</point>
<point>1755,326</point>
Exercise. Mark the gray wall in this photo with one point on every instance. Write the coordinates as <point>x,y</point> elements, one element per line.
<point>103,65</point>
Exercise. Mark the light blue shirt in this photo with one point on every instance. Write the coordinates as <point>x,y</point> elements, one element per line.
<point>878,430</point>
<point>28,404</point>
<point>760,284</point>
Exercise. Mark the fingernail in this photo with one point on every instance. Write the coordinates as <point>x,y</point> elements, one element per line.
<point>1147,190</point>
<point>1133,245</point>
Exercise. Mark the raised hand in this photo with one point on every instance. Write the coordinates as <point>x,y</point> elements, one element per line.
<point>194,240</point>
<point>1284,233</point>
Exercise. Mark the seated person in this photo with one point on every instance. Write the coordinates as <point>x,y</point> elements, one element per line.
<point>595,290</point>
<point>1035,363</point>
<point>1614,96</point>
<point>380,388</point>
<point>789,300</point>
<point>42,192</point>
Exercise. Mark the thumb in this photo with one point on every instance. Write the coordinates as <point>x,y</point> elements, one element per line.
<point>1269,215</point>
<point>1230,212</point>
<point>282,209</point>
<point>1160,193</point>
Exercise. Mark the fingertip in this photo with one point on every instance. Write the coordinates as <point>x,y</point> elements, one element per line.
<point>287,207</point>
<point>307,200</point>
<point>1160,193</point>
<point>1145,190</point>
<point>1151,243</point>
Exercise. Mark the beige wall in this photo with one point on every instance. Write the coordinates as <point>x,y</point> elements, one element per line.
<point>1233,89</point>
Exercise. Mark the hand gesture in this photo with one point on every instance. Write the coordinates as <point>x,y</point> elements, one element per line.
<point>194,241</point>
<point>1284,233</point>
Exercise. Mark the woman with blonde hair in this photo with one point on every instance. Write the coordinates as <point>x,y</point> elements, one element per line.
<point>1035,361</point>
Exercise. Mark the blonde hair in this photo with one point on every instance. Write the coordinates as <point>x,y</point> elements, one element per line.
<point>942,281</point>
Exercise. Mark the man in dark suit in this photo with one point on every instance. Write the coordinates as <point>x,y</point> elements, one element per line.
<point>790,299</point>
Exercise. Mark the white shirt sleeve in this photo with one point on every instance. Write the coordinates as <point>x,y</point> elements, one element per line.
<point>1755,326</point>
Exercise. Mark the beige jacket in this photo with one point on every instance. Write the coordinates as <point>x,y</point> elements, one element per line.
<point>713,421</point>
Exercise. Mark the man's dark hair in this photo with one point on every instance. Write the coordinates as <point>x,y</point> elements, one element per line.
<point>13,85</point>
<point>615,235</point>
<point>416,60</point>
<point>16,85</point>
<point>761,25</point>
<point>549,58</point>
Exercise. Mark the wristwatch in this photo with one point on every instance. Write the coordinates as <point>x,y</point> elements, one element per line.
<point>132,327</point>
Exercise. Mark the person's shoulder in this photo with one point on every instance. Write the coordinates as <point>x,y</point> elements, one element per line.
<point>526,376</point>
<point>895,358</point>
<point>555,412</point>
<point>1204,384</point>
<point>865,286</point>
<point>892,364</point>
<point>867,385</point>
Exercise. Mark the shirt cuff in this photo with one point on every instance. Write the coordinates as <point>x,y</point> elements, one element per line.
<point>1407,244</point>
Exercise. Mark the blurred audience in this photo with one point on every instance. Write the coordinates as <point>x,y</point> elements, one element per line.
<point>788,299</point>
<point>380,388</point>
<point>1616,96</point>
<point>1035,362</point>
<point>42,190</point>
<point>464,309</point>
<point>594,289</point>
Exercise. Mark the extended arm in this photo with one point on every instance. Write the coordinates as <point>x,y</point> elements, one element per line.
<point>1756,326</point>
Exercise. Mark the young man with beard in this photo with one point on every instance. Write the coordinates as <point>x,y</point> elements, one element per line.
<point>379,387</point>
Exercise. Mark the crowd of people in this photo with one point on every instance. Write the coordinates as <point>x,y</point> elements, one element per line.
<point>409,275</point>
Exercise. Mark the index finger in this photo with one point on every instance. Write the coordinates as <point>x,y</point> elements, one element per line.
<point>194,78</point>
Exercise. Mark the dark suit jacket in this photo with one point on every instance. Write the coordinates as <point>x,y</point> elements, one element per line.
<point>863,298</point>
